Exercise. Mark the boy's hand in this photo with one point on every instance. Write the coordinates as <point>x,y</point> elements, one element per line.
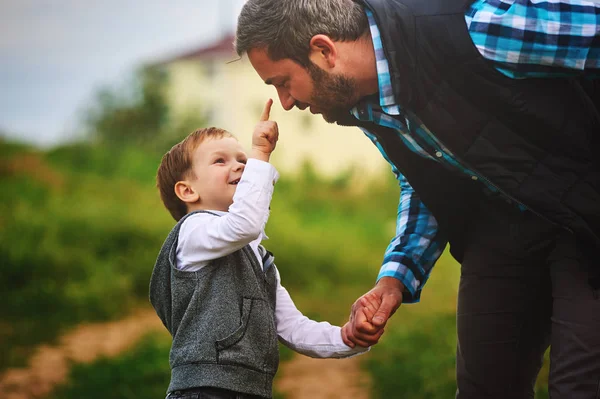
<point>266,133</point>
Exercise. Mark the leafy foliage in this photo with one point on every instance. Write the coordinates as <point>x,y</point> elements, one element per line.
<point>418,361</point>
<point>77,243</point>
<point>136,116</point>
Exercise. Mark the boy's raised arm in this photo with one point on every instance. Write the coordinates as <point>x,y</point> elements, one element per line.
<point>206,237</point>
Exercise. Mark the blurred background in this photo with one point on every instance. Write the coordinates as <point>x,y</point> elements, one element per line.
<point>91,95</point>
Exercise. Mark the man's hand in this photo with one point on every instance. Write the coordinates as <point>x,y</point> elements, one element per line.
<point>266,133</point>
<point>370,313</point>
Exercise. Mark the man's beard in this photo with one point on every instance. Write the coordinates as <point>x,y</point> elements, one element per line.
<point>333,95</point>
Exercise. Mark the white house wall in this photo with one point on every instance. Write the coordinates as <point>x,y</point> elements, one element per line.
<point>232,96</point>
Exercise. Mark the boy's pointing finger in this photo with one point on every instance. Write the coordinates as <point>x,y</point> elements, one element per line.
<point>266,111</point>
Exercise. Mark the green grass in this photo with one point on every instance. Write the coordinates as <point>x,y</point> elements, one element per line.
<point>142,372</point>
<point>78,240</point>
<point>80,228</point>
<point>416,361</point>
<point>416,355</point>
<point>73,247</point>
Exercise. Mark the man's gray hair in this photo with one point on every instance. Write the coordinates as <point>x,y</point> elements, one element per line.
<point>285,27</point>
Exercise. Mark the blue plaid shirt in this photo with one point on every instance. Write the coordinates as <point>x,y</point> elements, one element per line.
<point>524,39</point>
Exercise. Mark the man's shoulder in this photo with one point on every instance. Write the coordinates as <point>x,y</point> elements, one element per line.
<point>407,9</point>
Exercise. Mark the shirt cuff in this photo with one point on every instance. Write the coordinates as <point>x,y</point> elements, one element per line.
<point>412,286</point>
<point>334,349</point>
<point>344,350</point>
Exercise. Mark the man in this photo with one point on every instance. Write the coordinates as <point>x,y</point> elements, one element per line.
<point>488,112</point>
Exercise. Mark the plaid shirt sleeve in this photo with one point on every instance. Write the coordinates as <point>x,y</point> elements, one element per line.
<point>532,38</point>
<point>412,253</point>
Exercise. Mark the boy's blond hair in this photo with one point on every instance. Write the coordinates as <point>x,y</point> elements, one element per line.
<point>176,165</point>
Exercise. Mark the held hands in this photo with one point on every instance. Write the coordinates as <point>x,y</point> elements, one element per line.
<point>370,313</point>
<point>266,133</point>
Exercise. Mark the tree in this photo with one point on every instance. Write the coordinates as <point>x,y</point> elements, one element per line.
<point>137,116</point>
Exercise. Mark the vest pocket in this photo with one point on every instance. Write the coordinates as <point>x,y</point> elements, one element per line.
<point>253,344</point>
<point>237,335</point>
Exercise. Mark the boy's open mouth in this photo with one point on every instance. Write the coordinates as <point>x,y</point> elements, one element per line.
<point>235,182</point>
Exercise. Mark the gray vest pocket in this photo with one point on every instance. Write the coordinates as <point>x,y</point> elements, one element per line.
<point>237,335</point>
<point>254,343</point>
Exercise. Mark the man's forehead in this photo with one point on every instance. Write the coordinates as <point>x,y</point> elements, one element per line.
<point>270,71</point>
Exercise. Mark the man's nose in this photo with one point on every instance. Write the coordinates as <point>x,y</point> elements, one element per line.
<point>287,101</point>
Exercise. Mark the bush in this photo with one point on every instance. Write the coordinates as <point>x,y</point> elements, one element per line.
<point>80,228</point>
<point>416,359</point>
<point>78,243</point>
<point>416,362</point>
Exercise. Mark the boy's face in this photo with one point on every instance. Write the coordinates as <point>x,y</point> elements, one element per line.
<point>217,165</point>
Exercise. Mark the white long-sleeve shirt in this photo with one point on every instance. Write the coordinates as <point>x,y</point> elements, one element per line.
<point>204,237</point>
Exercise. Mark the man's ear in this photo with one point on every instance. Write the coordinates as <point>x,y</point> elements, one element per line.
<point>186,192</point>
<point>322,51</point>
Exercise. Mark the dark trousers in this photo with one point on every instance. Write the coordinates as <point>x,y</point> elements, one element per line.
<point>210,393</point>
<point>524,287</point>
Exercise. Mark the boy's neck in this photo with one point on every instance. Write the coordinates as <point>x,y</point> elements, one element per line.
<point>195,208</point>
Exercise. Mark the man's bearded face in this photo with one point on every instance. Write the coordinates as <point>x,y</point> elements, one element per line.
<point>333,95</point>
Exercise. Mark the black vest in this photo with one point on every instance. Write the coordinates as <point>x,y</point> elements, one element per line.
<point>534,139</point>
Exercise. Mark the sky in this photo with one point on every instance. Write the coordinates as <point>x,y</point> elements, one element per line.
<point>55,54</point>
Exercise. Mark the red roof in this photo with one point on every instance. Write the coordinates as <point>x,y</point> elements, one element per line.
<point>222,48</point>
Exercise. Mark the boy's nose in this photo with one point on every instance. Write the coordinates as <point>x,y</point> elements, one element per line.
<point>239,166</point>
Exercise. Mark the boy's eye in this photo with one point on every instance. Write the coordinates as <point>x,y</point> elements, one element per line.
<point>243,161</point>
<point>220,160</point>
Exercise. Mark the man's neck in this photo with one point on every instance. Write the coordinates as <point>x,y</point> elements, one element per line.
<point>362,64</point>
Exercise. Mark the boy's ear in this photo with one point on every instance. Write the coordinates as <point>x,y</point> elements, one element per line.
<point>186,192</point>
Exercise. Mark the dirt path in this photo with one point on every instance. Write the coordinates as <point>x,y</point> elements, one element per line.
<point>306,378</point>
<point>49,366</point>
<point>301,378</point>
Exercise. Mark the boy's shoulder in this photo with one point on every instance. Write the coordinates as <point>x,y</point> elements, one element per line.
<point>198,217</point>
<point>193,220</point>
<point>195,225</point>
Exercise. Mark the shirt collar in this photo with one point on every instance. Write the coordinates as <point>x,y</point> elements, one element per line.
<point>387,101</point>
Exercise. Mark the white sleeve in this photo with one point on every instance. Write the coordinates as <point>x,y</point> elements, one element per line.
<point>204,237</point>
<point>306,336</point>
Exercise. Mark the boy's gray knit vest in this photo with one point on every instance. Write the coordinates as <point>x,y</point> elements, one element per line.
<point>222,319</point>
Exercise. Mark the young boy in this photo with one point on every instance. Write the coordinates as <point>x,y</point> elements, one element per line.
<point>214,286</point>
